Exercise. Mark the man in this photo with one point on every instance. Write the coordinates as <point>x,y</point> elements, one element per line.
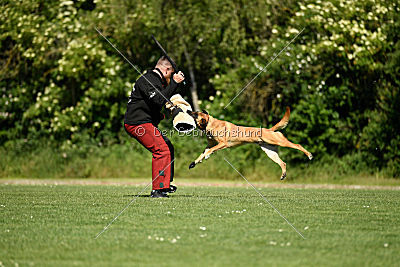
<point>143,115</point>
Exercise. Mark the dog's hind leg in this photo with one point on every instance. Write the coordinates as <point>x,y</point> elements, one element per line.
<point>272,153</point>
<point>277,138</point>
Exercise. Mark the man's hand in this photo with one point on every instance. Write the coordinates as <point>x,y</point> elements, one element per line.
<point>179,77</point>
<point>175,111</point>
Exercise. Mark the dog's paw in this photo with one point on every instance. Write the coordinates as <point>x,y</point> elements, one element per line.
<point>310,156</point>
<point>283,176</point>
<point>192,165</point>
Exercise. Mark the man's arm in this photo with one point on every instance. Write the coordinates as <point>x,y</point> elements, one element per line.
<point>157,98</point>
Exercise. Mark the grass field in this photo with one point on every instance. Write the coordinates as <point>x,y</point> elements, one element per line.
<point>56,225</point>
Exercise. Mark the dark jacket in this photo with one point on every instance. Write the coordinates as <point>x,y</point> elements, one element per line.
<point>145,103</point>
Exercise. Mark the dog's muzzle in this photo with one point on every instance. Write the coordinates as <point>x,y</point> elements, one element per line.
<point>192,114</point>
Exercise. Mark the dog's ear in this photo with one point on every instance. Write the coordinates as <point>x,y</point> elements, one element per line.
<point>204,111</point>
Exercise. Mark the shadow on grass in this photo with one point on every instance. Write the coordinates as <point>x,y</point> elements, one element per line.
<point>171,196</point>
<point>194,196</point>
<point>175,196</point>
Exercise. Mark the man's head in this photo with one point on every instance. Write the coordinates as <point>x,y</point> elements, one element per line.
<point>165,67</point>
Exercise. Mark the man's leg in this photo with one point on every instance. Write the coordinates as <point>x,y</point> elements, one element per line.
<point>162,162</point>
<point>171,150</point>
<point>151,138</point>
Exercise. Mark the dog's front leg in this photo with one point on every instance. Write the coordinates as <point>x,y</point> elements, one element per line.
<point>206,154</point>
<point>199,159</point>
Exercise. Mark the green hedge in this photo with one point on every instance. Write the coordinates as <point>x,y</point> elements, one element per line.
<point>61,81</point>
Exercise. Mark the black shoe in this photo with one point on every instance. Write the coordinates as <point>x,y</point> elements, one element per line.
<point>158,193</point>
<point>171,189</point>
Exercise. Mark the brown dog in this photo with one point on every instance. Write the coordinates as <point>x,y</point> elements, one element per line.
<point>223,134</point>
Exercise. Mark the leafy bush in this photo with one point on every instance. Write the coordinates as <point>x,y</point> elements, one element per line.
<point>61,81</point>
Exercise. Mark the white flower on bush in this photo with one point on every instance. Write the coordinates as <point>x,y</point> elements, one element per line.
<point>327,43</point>
<point>66,3</point>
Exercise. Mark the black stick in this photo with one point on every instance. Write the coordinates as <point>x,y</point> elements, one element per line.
<point>166,55</point>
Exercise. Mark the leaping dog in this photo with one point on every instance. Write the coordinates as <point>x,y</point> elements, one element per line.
<point>222,134</point>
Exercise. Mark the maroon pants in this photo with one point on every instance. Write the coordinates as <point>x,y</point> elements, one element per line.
<point>161,148</point>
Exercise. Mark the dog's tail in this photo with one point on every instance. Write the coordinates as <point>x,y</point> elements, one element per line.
<point>283,122</point>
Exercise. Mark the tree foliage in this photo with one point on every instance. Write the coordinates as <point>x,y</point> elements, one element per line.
<point>60,80</point>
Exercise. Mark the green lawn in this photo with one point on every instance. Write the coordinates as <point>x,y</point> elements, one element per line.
<point>56,225</point>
